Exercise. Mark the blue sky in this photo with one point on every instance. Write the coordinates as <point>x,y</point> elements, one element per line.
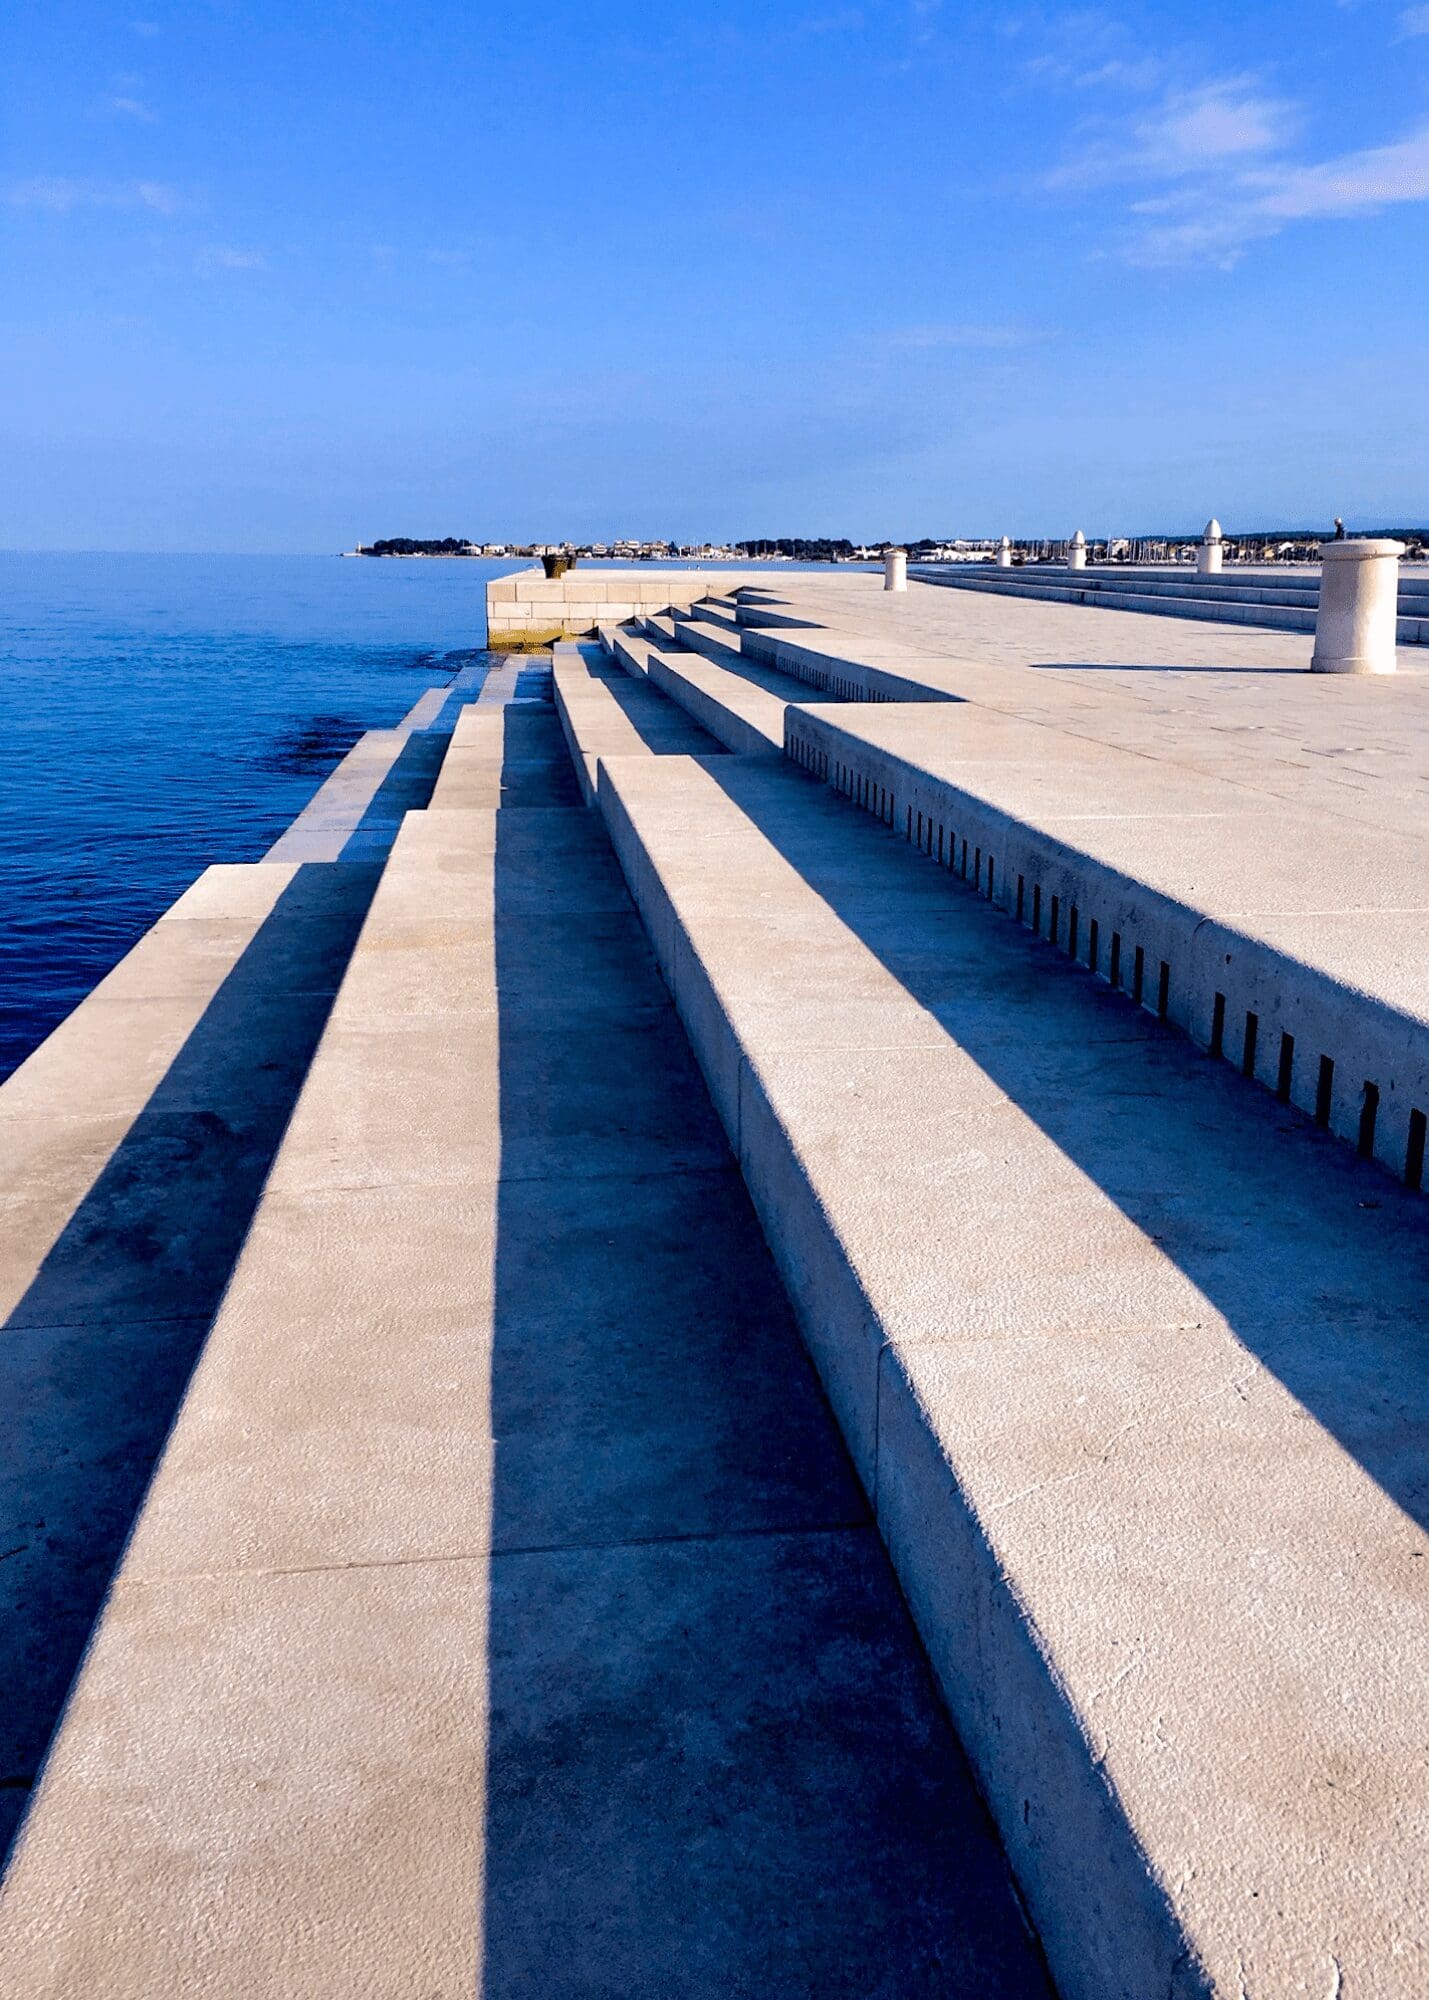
<point>285,276</point>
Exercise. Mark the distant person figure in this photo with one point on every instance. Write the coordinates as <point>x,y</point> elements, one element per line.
<point>1339,529</point>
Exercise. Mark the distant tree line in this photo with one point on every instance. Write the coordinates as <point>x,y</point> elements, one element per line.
<point>403,545</point>
<point>803,549</point>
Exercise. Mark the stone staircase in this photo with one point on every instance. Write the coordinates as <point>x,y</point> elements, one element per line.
<point>1279,600</point>
<point>1121,1346</point>
<point>503,1615</point>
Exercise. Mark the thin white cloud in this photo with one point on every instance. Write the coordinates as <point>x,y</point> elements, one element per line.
<point>223,257</point>
<point>1188,132</point>
<point>1216,224</point>
<point>59,195</point>
<point>1084,50</point>
<point>148,29</point>
<point>1414,21</point>
<point>131,107</point>
<point>1209,169</point>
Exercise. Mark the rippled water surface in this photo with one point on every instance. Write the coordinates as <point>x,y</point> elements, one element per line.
<point>158,713</point>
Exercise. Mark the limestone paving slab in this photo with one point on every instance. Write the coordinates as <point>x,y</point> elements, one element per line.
<point>1160,1206</point>
<point>656,1731</point>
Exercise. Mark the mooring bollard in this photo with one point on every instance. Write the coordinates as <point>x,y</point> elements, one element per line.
<point>1359,606</point>
<point>1004,553</point>
<point>895,569</point>
<point>1210,554</point>
<point>1077,551</point>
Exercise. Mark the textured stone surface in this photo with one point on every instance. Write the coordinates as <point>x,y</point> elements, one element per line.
<point>505,1615</point>
<point>1131,1362</point>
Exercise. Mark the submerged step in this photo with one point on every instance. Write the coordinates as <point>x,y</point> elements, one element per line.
<point>1123,1357</point>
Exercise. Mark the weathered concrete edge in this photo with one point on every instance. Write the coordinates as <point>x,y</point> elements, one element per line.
<point>1223,972</point>
<point>1411,628</point>
<point>738,733</point>
<point>1105,1917</point>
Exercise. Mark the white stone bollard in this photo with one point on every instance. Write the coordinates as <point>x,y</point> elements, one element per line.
<point>1359,606</point>
<point>895,570</point>
<point>1004,553</point>
<point>1077,551</point>
<point>1210,554</point>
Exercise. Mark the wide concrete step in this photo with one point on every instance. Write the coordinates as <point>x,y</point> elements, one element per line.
<point>1284,610</point>
<point>1128,1360</point>
<point>503,1555</point>
<point>626,646</point>
<point>134,1147</point>
<point>844,666</point>
<point>746,717</point>
<point>660,628</point>
<point>718,612</point>
<point>604,712</point>
<point>1072,590</point>
<point>703,635</point>
<point>1296,588</point>
<point>1216,906</point>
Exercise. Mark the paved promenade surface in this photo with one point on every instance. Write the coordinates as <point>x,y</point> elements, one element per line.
<point>1219,700</point>
<point>505,1616</point>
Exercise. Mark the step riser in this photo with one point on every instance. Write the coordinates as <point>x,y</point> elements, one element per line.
<point>1202,976</point>
<point>1411,629</point>
<point>1107,1930</point>
<point>1048,1582</point>
<point>848,681</point>
<point>741,737</point>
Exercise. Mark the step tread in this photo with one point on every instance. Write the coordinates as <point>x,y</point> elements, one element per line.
<point>1071,1316</point>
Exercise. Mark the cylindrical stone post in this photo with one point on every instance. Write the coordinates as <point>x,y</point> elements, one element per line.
<point>895,569</point>
<point>1210,554</point>
<point>1077,551</point>
<point>1004,553</point>
<point>1359,605</point>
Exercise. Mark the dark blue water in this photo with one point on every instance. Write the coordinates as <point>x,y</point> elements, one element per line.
<point>158,713</point>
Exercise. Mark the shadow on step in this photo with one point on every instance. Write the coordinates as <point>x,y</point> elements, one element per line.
<point>97,1353</point>
<point>716,1760</point>
<point>650,713</point>
<point>407,787</point>
<point>1317,1261</point>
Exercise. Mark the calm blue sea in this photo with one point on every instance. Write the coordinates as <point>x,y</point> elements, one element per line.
<point>158,713</point>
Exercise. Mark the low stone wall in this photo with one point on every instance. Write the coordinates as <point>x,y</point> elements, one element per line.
<point>530,609</point>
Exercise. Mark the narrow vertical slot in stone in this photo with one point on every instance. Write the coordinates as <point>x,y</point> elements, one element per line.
<point>1138,975</point>
<point>1114,973</point>
<point>1414,1156</point>
<point>1252,1032</point>
<point>1163,991</point>
<point>1286,1078</point>
<point>1324,1091</point>
<point>1369,1114</point>
<point>1218,1025</point>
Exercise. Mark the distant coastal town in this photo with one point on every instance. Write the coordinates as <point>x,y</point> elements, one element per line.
<point>1294,545</point>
